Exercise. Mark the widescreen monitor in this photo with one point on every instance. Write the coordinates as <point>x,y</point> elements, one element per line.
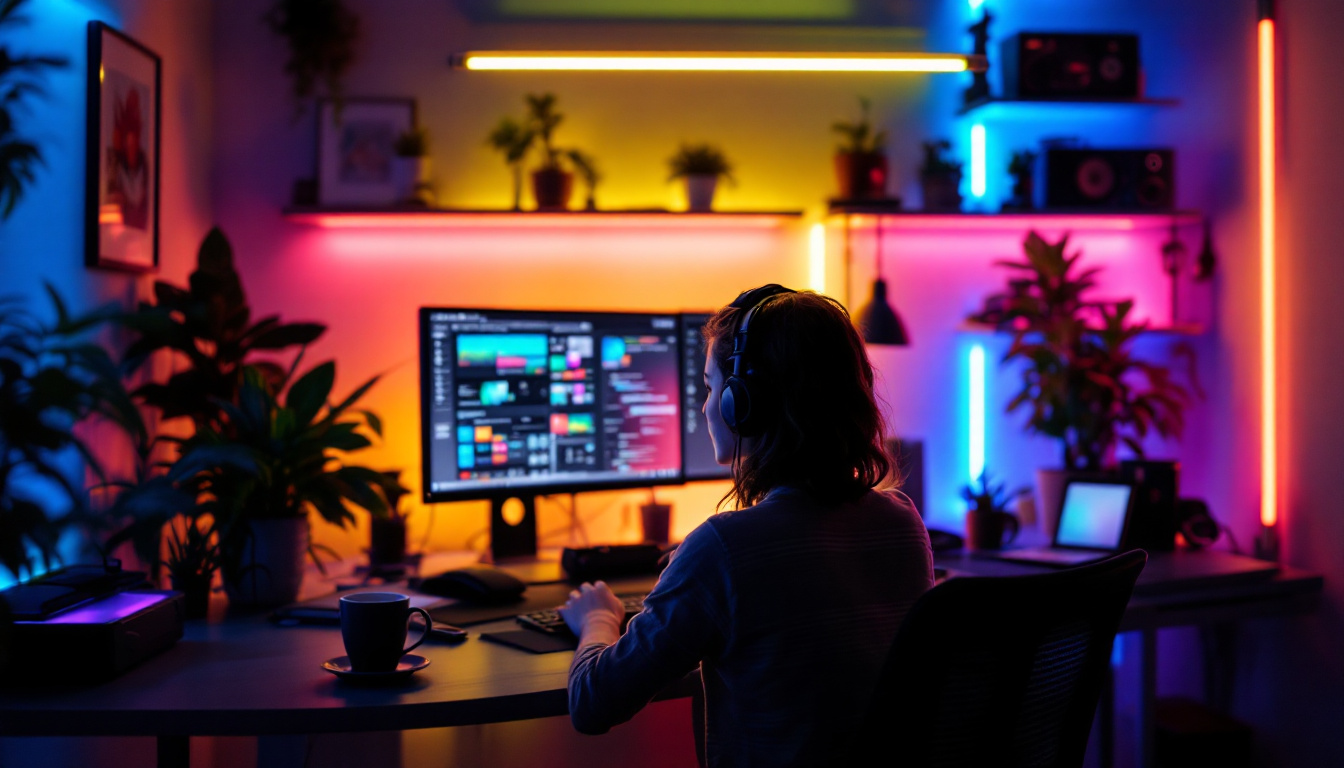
<point>526,403</point>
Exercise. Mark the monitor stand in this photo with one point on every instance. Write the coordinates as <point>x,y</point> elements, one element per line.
<point>513,536</point>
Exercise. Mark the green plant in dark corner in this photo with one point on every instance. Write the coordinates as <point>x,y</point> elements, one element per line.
<point>701,159</point>
<point>52,380</point>
<point>322,37</point>
<point>20,76</point>
<point>987,496</point>
<point>859,137</point>
<point>1081,382</point>
<point>935,161</point>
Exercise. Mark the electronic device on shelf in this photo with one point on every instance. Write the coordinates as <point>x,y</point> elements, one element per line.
<point>516,404</point>
<point>1072,177</point>
<point>1062,65</point>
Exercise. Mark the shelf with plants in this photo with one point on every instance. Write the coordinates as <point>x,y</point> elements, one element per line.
<point>894,218</point>
<point>1180,329</point>
<point>410,217</point>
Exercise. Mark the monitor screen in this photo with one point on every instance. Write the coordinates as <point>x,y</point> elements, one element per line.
<point>546,402</point>
<point>697,451</point>
<point>1093,515</point>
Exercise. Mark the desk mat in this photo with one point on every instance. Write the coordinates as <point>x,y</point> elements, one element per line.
<point>534,642</point>
<point>537,597</point>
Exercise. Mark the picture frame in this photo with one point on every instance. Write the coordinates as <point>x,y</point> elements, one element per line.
<point>125,92</point>
<point>356,149</point>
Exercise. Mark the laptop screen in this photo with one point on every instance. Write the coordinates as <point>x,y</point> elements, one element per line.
<point>1093,515</point>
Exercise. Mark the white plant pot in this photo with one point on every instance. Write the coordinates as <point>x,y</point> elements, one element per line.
<point>270,569</point>
<point>700,192</point>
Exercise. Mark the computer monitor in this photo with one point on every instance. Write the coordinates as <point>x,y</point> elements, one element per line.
<point>516,404</point>
<point>696,448</point>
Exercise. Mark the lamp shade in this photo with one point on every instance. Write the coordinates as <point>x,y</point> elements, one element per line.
<point>878,322</point>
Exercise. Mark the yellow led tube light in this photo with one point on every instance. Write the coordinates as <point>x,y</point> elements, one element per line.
<point>653,61</point>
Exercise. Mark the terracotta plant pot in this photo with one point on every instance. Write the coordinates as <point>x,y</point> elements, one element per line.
<point>985,529</point>
<point>551,188</point>
<point>700,192</point>
<point>861,176</point>
<point>269,569</point>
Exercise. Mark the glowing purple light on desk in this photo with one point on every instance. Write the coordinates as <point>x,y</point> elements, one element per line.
<point>111,608</point>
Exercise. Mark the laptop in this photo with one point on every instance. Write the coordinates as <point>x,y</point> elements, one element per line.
<point>1093,518</point>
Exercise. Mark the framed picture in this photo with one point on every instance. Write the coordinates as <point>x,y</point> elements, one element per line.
<point>355,150</point>
<point>122,177</point>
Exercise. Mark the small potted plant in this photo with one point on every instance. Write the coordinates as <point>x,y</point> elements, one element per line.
<point>1022,168</point>
<point>387,532</point>
<point>700,166</point>
<point>586,167</point>
<point>988,517</point>
<point>553,180</point>
<point>940,178</point>
<point>861,159</point>
<point>411,167</point>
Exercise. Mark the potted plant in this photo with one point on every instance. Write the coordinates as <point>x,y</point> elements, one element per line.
<point>586,167</point>
<point>939,177</point>
<point>988,517</point>
<point>1022,168</point>
<point>700,166</point>
<point>387,531</point>
<point>288,460</point>
<point>553,179</point>
<point>19,75</point>
<point>52,382</point>
<point>322,36</point>
<point>861,159</point>
<point>411,167</point>
<point>1081,382</point>
<point>254,431</point>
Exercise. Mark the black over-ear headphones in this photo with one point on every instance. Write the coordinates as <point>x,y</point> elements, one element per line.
<point>736,401</point>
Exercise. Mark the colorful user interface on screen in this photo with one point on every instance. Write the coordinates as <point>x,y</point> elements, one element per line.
<point>1093,515</point>
<point>556,401</point>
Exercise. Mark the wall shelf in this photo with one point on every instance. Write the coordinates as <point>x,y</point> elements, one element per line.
<point>1124,221</point>
<point>994,103</point>
<point>1182,329</point>
<point>411,218</point>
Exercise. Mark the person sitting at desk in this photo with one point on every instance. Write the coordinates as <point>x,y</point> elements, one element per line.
<point>789,603</point>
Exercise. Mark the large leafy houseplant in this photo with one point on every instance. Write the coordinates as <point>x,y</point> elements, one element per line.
<point>263,443</point>
<point>19,76</point>
<point>1081,382</point>
<point>51,381</point>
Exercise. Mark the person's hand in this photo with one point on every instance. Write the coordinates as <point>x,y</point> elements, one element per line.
<point>593,606</point>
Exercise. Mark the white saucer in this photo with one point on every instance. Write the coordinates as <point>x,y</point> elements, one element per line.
<point>409,664</point>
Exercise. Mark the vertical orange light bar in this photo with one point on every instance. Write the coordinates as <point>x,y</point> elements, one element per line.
<point>1269,510</point>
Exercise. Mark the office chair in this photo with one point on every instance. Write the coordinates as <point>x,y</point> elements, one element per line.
<point>1002,671</point>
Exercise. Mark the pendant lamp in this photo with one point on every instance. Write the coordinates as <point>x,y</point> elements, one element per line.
<point>877,321</point>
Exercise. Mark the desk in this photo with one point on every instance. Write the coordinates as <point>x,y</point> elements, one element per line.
<point>245,676</point>
<point>1210,589</point>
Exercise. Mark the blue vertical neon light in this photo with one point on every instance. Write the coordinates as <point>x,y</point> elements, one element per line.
<point>978,160</point>
<point>976,409</point>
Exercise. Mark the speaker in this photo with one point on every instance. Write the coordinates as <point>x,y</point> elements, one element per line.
<point>740,404</point>
<point>1061,65</point>
<point>1153,525</point>
<point>1107,179</point>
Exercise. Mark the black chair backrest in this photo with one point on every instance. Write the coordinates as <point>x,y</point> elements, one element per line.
<point>1001,671</point>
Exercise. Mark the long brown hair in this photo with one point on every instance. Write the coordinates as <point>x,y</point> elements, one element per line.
<point>812,383</point>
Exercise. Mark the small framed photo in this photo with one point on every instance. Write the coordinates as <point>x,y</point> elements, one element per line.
<point>122,173</point>
<point>356,148</point>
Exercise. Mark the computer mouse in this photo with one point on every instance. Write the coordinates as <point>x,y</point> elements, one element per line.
<point>481,584</point>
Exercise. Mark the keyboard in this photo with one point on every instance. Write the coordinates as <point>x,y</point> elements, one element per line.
<point>550,622</point>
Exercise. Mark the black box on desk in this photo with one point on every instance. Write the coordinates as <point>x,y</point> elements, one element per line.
<point>95,641</point>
